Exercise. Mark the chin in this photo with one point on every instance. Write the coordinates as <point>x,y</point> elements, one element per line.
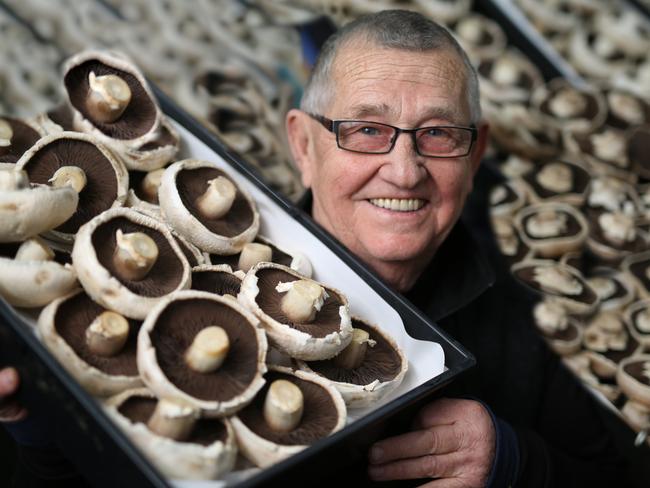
<point>397,248</point>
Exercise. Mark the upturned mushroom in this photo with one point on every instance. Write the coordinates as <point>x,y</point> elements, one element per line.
<point>557,181</point>
<point>204,204</point>
<point>97,346</point>
<point>560,331</point>
<point>111,99</point>
<point>203,349</point>
<point>633,376</point>
<point>367,370</point>
<point>16,137</point>
<point>83,163</point>
<point>637,269</point>
<point>179,443</point>
<point>30,277</point>
<point>154,154</point>
<point>27,210</point>
<point>216,278</point>
<point>294,409</point>
<point>263,250</point>
<point>128,262</point>
<point>614,235</point>
<point>303,318</point>
<point>637,317</point>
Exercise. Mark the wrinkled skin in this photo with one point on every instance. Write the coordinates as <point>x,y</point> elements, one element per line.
<point>453,440</point>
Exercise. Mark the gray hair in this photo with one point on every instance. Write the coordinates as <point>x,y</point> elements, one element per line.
<point>396,29</point>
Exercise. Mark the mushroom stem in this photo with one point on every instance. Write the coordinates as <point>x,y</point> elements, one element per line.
<point>107,334</point>
<point>303,300</point>
<point>353,355</point>
<point>69,176</point>
<point>173,420</point>
<point>6,133</point>
<point>283,406</point>
<point>150,184</point>
<point>108,97</point>
<point>218,198</point>
<point>254,253</point>
<point>135,254</point>
<point>13,179</point>
<point>208,350</point>
<point>34,249</point>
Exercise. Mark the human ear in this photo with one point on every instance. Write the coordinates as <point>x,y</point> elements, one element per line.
<point>300,144</point>
<point>479,146</point>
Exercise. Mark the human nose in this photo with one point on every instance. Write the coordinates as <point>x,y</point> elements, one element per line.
<point>404,166</point>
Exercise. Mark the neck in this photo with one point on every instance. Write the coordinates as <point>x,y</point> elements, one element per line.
<point>401,275</point>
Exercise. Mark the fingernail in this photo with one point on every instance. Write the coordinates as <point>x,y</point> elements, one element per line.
<point>7,379</point>
<point>376,454</point>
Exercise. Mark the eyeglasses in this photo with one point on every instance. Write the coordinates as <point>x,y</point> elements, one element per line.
<point>362,136</point>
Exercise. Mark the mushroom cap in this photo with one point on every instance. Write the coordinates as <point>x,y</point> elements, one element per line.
<point>92,257</point>
<point>59,327</point>
<point>216,278</point>
<point>525,77</point>
<point>204,456</point>
<point>632,314</point>
<point>34,283</point>
<point>25,135</point>
<point>173,323</point>
<point>181,184</point>
<point>30,211</point>
<point>107,180</point>
<point>300,341</point>
<point>374,379</point>
<point>153,154</point>
<point>140,121</point>
<point>636,266</point>
<point>58,119</point>
<point>291,258</point>
<point>264,447</point>
<point>636,390</point>
<point>579,184</point>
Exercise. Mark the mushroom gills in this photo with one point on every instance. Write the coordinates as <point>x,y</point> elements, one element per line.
<point>254,253</point>
<point>218,198</point>
<point>108,97</point>
<point>283,406</point>
<point>208,349</point>
<point>135,255</point>
<point>353,355</point>
<point>173,420</point>
<point>6,133</point>
<point>303,299</point>
<point>107,334</point>
<point>69,176</point>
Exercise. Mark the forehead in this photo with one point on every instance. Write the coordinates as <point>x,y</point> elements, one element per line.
<point>372,80</point>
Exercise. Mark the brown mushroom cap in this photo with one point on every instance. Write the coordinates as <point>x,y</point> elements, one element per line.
<point>591,116</point>
<point>632,380</point>
<point>106,177</point>
<point>62,326</point>
<point>141,116</point>
<point>215,279</point>
<point>576,195</point>
<point>169,331</point>
<point>24,136</point>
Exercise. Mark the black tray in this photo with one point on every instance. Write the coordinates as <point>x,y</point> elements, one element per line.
<point>104,455</point>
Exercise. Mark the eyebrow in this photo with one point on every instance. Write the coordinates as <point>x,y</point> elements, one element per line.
<point>441,113</point>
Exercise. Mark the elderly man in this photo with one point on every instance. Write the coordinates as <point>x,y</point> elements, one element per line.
<point>388,139</point>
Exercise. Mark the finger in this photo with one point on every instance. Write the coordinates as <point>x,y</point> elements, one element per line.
<point>12,412</point>
<point>445,411</point>
<point>432,466</point>
<point>9,381</point>
<point>444,483</point>
<point>441,439</point>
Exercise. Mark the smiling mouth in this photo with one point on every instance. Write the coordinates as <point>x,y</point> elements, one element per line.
<point>398,204</point>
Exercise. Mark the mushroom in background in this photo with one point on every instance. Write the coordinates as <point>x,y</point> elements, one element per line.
<point>16,137</point>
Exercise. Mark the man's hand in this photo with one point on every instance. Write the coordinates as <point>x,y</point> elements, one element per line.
<point>10,410</point>
<point>453,441</point>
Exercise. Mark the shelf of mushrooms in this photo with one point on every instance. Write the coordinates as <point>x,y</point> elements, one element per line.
<point>159,296</point>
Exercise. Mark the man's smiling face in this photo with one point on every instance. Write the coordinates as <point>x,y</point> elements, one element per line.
<point>396,208</point>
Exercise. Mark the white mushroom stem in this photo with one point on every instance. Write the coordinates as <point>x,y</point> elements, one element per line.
<point>208,350</point>
<point>218,198</point>
<point>13,179</point>
<point>303,300</point>
<point>150,184</point>
<point>108,97</point>
<point>69,176</point>
<point>107,334</point>
<point>34,249</point>
<point>254,253</point>
<point>6,133</point>
<point>283,406</point>
<point>353,355</point>
<point>135,254</point>
<point>173,420</point>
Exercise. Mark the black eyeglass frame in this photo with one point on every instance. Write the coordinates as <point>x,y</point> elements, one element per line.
<point>333,126</point>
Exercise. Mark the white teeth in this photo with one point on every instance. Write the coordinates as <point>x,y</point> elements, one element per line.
<point>398,204</point>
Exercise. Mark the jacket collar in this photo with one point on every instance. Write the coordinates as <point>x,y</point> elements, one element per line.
<point>458,274</point>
